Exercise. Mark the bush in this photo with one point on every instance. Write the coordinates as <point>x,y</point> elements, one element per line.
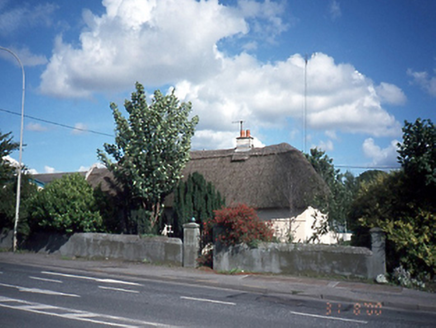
<point>66,205</point>
<point>238,225</point>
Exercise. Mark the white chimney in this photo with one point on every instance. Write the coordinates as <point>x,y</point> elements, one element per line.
<point>244,142</point>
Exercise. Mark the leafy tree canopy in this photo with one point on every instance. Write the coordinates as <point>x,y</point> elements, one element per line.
<point>342,188</point>
<point>7,146</point>
<point>417,152</point>
<point>66,205</point>
<point>151,148</point>
<point>403,203</point>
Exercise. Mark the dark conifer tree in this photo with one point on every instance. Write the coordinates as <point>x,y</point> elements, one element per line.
<point>196,198</point>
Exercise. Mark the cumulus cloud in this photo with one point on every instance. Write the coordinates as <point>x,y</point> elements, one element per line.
<point>325,145</point>
<point>80,128</point>
<point>24,15</point>
<point>160,41</point>
<point>338,97</point>
<point>335,10</point>
<point>168,42</point>
<point>25,55</point>
<point>32,171</point>
<point>36,127</point>
<point>48,169</point>
<point>381,156</point>
<point>426,82</point>
<point>391,94</point>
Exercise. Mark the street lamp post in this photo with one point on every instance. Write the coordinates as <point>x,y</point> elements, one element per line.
<point>17,205</point>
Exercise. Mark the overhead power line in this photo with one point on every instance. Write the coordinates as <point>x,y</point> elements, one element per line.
<point>369,167</point>
<point>55,123</point>
<point>110,135</point>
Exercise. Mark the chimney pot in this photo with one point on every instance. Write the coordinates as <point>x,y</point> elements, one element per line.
<point>248,133</point>
<point>242,133</point>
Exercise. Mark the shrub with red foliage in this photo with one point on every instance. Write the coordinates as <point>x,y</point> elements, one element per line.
<point>238,225</point>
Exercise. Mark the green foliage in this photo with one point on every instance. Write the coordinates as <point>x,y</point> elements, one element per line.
<point>342,188</point>
<point>7,146</point>
<point>403,204</point>
<point>8,188</point>
<point>417,152</point>
<point>151,148</point>
<point>66,205</point>
<point>109,208</point>
<point>238,225</point>
<point>8,202</point>
<point>195,198</point>
<point>414,238</point>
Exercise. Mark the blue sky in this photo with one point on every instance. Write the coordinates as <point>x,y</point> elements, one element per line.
<point>371,65</point>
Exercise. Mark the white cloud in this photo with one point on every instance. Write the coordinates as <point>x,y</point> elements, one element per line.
<point>331,134</point>
<point>83,169</point>
<point>339,98</point>
<point>12,161</point>
<point>381,156</point>
<point>32,171</point>
<point>325,145</point>
<point>423,79</point>
<point>36,127</point>
<point>177,43</point>
<point>335,10</point>
<point>48,169</point>
<point>264,18</point>
<point>87,168</point>
<point>24,15</point>
<point>80,128</point>
<point>25,56</point>
<point>391,94</point>
<point>163,41</point>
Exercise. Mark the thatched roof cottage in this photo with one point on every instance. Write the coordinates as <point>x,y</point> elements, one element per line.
<point>277,180</point>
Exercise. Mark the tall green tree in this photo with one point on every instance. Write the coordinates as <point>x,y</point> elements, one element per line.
<point>151,148</point>
<point>196,198</point>
<point>417,156</point>
<point>8,188</point>
<point>7,146</point>
<point>342,187</point>
<point>403,203</point>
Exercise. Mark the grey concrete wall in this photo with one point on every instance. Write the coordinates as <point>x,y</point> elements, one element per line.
<point>126,247</point>
<point>296,259</point>
<point>6,238</point>
<point>100,245</point>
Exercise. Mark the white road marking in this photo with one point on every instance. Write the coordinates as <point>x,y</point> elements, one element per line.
<point>109,281</point>
<point>78,315</point>
<point>119,289</point>
<point>112,281</point>
<point>45,279</point>
<point>39,291</point>
<point>327,317</point>
<point>206,300</point>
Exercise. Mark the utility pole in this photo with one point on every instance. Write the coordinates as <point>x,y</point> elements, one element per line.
<point>305,102</point>
<point>17,205</point>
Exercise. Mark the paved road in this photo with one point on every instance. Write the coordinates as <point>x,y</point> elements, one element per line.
<point>37,296</point>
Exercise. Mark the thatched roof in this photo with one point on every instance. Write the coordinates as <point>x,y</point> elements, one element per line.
<point>273,177</point>
<point>46,178</point>
<point>277,176</point>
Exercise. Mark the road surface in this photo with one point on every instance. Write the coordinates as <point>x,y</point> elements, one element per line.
<point>32,296</point>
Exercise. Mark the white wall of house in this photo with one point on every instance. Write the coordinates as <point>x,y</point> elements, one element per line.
<point>303,226</point>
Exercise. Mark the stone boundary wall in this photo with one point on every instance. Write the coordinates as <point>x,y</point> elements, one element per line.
<point>157,249</point>
<point>297,259</point>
